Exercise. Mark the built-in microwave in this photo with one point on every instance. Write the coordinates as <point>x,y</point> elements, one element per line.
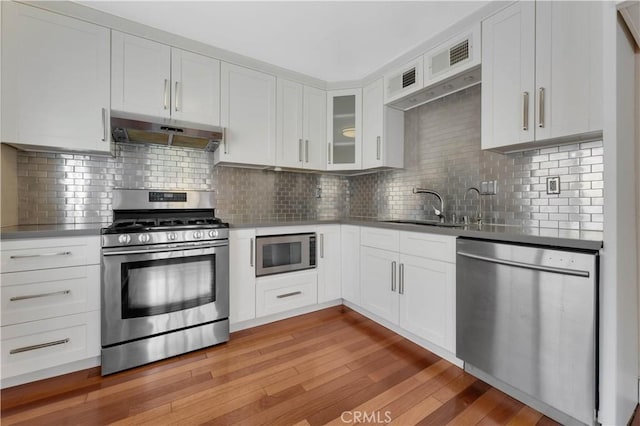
<point>276,254</point>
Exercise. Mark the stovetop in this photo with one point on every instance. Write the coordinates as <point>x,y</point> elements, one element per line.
<point>150,224</point>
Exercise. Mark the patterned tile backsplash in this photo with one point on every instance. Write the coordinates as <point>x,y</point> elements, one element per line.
<point>442,152</point>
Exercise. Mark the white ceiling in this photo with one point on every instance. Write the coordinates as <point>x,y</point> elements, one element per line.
<point>329,40</point>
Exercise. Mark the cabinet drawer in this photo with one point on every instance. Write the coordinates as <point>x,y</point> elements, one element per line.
<point>384,239</point>
<point>43,344</point>
<point>284,292</point>
<point>45,253</point>
<point>430,246</point>
<point>36,295</point>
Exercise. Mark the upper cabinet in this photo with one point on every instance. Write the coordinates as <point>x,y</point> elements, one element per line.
<point>344,126</point>
<point>248,113</point>
<point>541,74</point>
<point>301,129</point>
<point>55,80</point>
<point>154,79</point>
<point>382,130</point>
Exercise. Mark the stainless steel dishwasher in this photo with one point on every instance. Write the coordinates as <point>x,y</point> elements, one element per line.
<point>526,322</point>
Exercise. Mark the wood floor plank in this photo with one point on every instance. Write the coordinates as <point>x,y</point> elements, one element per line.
<point>308,370</point>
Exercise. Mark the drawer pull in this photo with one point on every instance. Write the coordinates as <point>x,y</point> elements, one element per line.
<point>40,346</point>
<point>28,256</point>
<point>282,296</point>
<point>35,296</point>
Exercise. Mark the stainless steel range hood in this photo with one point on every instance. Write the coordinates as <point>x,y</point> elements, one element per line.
<point>138,128</point>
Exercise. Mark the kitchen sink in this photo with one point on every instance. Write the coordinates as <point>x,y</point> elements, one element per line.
<point>427,223</point>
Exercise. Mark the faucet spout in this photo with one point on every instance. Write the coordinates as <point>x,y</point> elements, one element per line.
<point>479,210</point>
<point>439,213</point>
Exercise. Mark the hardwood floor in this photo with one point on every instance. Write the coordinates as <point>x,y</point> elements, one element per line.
<point>328,367</point>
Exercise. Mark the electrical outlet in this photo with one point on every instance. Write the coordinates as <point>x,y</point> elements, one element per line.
<point>553,185</point>
<point>318,192</point>
<point>489,187</point>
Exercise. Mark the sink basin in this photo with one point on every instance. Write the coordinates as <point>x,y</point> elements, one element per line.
<point>428,223</point>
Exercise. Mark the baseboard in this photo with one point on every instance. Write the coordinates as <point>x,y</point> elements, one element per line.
<point>242,325</point>
<point>47,373</point>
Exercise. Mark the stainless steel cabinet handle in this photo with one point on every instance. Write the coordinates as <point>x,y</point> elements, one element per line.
<point>541,107</point>
<point>306,150</point>
<point>393,276</point>
<point>329,152</point>
<point>166,94</point>
<point>300,150</point>
<point>525,111</point>
<point>36,296</point>
<point>377,147</point>
<point>40,346</point>
<point>28,256</point>
<point>104,125</point>
<point>401,286</point>
<point>282,296</point>
<point>224,141</point>
<point>322,246</point>
<point>177,97</point>
<point>251,252</point>
<point>552,269</point>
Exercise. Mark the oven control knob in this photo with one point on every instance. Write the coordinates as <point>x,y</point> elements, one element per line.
<point>213,233</point>
<point>197,235</point>
<point>124,239</point>
<point>144,238</point>
<point>171,236</point>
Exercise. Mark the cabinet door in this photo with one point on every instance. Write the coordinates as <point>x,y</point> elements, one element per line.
<point>55,80</point>
<point>290,144</point>
<point>568,68</point>
<point>372,124</point>
<point>329,260</point>
<point>242,275</point>
<point>350,264</point>
<point>140,75</point>
<point>344,129</point>
<point>195,88</point>
<point>248,113</point>
<point>508,80</point>
<point>315,128</point>
<point>378,282</point>
<point>427,299</point>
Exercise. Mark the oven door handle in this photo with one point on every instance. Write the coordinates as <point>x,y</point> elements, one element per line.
<point>164,249</point>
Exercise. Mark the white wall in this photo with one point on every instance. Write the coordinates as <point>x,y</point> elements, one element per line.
<point>618,286</point>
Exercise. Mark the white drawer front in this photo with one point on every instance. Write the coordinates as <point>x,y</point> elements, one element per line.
<point>35,295</point>
<point>45,253</point>
<point>430,246</point>
<point>384,239</point>
<point>283,292</point>
<point>43,344</point>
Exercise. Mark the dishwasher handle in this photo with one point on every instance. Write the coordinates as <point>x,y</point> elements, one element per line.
<point>542,268</point>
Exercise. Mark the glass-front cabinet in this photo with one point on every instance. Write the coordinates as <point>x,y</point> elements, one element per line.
<point>344,129</point>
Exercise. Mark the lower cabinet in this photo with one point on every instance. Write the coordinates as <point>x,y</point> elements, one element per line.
<point>283,292</point>
<point>242,275</point>
<point>350,263</point>
<point>328,259</point>
<point>378,282</point>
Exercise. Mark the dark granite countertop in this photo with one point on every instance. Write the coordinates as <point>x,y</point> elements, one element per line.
<point>562,238</point>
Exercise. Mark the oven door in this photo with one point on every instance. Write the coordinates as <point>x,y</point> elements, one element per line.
<point>148,291</point>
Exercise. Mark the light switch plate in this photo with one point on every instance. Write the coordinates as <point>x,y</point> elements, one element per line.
<point>553,185</point>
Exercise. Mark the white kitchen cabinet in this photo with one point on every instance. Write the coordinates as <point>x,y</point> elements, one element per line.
<point>541,74</point>
<point>350,263</point>
<point>155,79</point>
<point>248,112</point>
<point>284,292</point>
<point>378,282</point>
<point>301,112</point>
<point>242,275</point>
<point>344,129</point>
<point>427,299</point>
<point>382,130</point>
<point>329,255</point>
<point>55,81</point>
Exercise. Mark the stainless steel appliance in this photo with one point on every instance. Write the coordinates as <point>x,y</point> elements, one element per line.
<point>165,277</point>
<point>526,321</point>
<point>276,254</point>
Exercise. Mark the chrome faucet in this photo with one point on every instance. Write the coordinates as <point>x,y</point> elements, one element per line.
<point>479,210</point>
<point>439,213</point>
